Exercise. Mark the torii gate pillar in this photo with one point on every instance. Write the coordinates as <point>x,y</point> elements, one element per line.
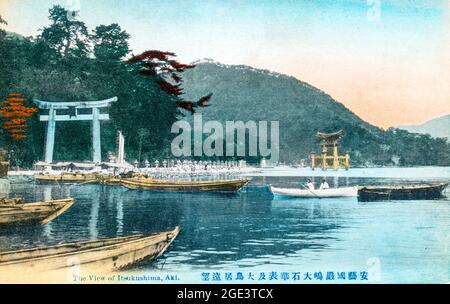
<point>50,141</point>
<point>73,108</point>
<point>96,143</point>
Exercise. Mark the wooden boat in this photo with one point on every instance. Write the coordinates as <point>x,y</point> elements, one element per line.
<point>402,192</point>
<point>109,180</point>
<point>4,167</point>
<point>103,255</point>
<point>15,213</point>
<point>184,186</point>
<point>10,201</point>
<point>317,193</point>
<point>66,178</point>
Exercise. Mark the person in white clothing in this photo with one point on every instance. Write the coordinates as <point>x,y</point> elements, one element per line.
<point>310,184</point>
<point>324,185</point>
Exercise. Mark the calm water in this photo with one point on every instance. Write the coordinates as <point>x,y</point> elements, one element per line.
<point>402,241</point>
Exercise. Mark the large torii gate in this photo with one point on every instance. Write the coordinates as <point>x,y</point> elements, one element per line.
<point>69,111</point>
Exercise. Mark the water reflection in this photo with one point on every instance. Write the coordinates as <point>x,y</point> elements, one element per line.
<point>47,193</point>
<point>93,219</point>
<point>246,229</point>
<point>238,225</point>
<point>119,217</point>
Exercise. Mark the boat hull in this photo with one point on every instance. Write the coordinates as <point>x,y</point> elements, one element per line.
<point>200,186</point>
<point>65,179</point>
<point>33,213</point>
<point>325,193</point>
<point>405,192</point>
<point>101,256</point>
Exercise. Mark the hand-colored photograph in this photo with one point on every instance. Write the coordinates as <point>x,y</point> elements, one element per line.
<point>224,142</point>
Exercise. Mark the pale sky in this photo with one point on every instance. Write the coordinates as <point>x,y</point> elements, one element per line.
<point>390,70</point>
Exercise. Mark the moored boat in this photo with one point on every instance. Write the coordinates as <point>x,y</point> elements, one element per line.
<point>103,255</point>
<point>316,193</point>
<point>66,178</point>
<point>402,192</point>
<point>109,180</point>
<point>15,213</point>
<point>184,186</point>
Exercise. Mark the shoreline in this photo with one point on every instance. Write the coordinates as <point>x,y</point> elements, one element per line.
<point>425,172</point>
<point>382,172</point>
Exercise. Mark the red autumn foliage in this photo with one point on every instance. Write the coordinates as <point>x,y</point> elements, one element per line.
<point>190,106</point>
<point>180,67</point>
<point>202,101</point>
<point>16,114</point>
<point>187,105</point>
<point>153,54</point>
<point>157,64</point>
<point>176,78</point>
<point>170,88</point>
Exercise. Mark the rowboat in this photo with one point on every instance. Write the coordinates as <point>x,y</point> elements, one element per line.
<point>101,256</point>
<point>66,178</point>
<point>15,213</point>
<point>317,193</point>
<point>184,186</point>
<point>402,192</point>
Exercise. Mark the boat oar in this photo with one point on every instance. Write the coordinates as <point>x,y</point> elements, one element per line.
<point>307,188</point>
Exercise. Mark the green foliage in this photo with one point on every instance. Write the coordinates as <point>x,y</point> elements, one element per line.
<point>65,35</point>
<point>242,94</point>
<point>66,63</point>
<point>110,42</point>
<point>2,21</point>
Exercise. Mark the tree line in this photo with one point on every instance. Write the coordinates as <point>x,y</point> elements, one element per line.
<point>68,62</point>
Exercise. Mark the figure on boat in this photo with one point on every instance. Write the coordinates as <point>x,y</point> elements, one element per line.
<point>324,184</point>
<point>309,184</point>
<point>309,191</point>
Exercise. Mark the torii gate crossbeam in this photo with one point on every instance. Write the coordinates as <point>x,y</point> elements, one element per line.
<point>53,116</point>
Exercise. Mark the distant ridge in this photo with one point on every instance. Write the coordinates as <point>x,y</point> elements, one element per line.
<point>243,93</point>
<point>249,68</point>
<point>437,127</point>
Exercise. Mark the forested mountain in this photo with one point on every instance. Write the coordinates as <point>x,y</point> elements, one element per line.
<point>438,127</point>
<point>242,93</point>
<point>69,62</point>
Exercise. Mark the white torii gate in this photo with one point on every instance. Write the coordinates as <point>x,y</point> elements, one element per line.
<point>53,116</point>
